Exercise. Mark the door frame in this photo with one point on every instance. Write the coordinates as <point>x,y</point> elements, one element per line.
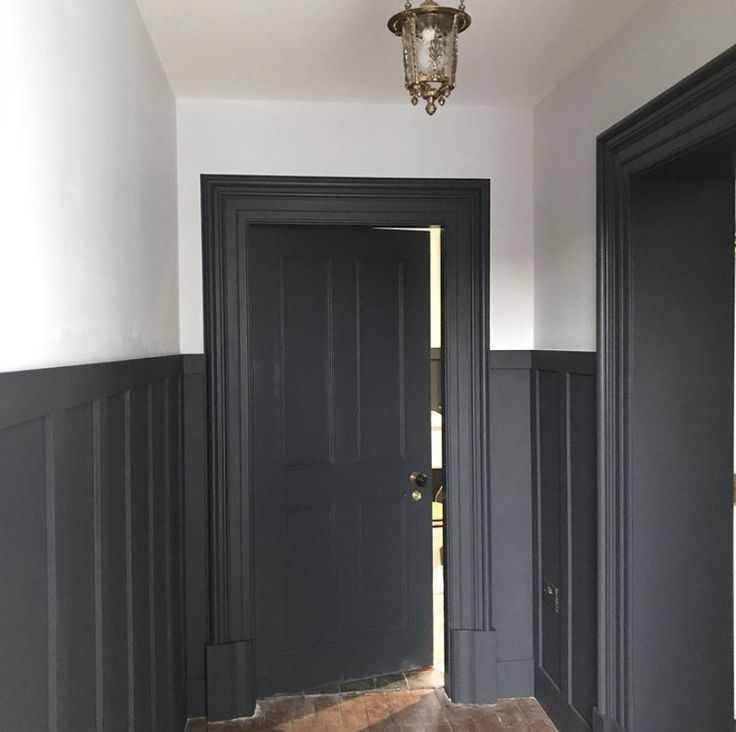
<point>231,206</point>
<point>698,110</point>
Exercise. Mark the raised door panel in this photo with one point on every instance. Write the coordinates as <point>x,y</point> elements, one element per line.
<point>380,331</point>
<point>309,612</point>
<point>307,360</point>
<point>382,565</point>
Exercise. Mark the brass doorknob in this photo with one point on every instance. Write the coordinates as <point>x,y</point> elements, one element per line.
<point>419,479</point>
<point>416,495</point>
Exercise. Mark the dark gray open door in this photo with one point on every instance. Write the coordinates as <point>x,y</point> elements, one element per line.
<point>340,418</point>
<point>681,416</point>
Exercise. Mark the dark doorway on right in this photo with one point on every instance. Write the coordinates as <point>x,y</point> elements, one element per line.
<point>666,410</point>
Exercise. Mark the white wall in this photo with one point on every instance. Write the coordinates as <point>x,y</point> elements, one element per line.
<point>88,255</point>
<point>273,138</point>
<point>665,42</point>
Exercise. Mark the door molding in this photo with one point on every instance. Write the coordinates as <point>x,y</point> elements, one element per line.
<point>698,110</point>
<point>231,206</point>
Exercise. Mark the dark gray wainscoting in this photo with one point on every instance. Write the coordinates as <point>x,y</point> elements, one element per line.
<point>194,421</point>
<point>91,560</point>
<point>542,407</point>
<point>517,410</point>
<point>509,410</point>
<point>565,536</point>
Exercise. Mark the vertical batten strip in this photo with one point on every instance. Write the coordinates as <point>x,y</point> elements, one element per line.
<point>97,534</point>
<point>51,570</point>
<point>129,560</point>
<point>358,371</point>
<point>151,552</point>
<point>568,528</point>
<point>167,549</point>
<point>181,636</point>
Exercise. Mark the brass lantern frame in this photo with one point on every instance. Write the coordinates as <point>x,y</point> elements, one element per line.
<point>424,86</point>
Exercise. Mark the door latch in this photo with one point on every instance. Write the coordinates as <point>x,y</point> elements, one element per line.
<point>551,595</point>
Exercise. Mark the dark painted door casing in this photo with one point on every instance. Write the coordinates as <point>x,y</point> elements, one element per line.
<point>340,362</point>
<point>665,319</point>
<point>682,454</point>
<point>232,208</point>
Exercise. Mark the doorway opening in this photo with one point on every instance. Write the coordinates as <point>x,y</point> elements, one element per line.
<point>239,216</point>
<point>437,673</point>
<point>666,424</point>
<point>438,470</point>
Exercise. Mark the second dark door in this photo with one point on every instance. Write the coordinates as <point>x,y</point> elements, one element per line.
<point>341,419</point>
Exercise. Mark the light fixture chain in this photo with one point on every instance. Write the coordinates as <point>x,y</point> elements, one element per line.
<point>407,5</point>
<point>461,7</point>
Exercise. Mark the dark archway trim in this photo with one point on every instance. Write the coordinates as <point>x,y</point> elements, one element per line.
<point>231,205</point>
<point>696,111</point>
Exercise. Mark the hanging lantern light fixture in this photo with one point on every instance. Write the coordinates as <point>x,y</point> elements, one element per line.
<point>429,34</point>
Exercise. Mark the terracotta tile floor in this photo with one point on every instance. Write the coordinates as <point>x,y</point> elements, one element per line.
<point>409,710</point>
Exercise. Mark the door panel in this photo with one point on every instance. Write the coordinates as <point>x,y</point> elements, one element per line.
<point>382,566</point>
<point>309,616</point>
<point>682,454</point>
<point>307,355</point>
<point>341,404</point>
<point>380,358</point>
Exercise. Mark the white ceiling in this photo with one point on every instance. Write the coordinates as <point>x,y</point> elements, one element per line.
<point>340,50</point>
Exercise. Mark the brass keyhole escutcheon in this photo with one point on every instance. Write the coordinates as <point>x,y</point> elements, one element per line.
<point>416,495</point>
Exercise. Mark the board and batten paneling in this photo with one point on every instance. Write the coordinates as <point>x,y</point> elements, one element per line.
<point>542,407</point>
<point>196,577</point>
<point>91,562</point>
<point>509,409</point>
<point>565,535</point>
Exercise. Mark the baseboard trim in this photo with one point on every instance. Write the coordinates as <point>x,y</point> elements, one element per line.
<point>515,678</point>
<point>604,724</point>
<point>231,689</point>
<point>563,716</point>
<point>474,667</point>
<point>198,724</point>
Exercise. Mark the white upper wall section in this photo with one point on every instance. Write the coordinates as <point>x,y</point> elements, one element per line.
<point>341,51</point>
<point>275,138</point>
<point>665,42</point>
<point>88,186</point>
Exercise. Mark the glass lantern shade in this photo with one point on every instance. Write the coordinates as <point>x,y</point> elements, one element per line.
<point>429,35</point>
